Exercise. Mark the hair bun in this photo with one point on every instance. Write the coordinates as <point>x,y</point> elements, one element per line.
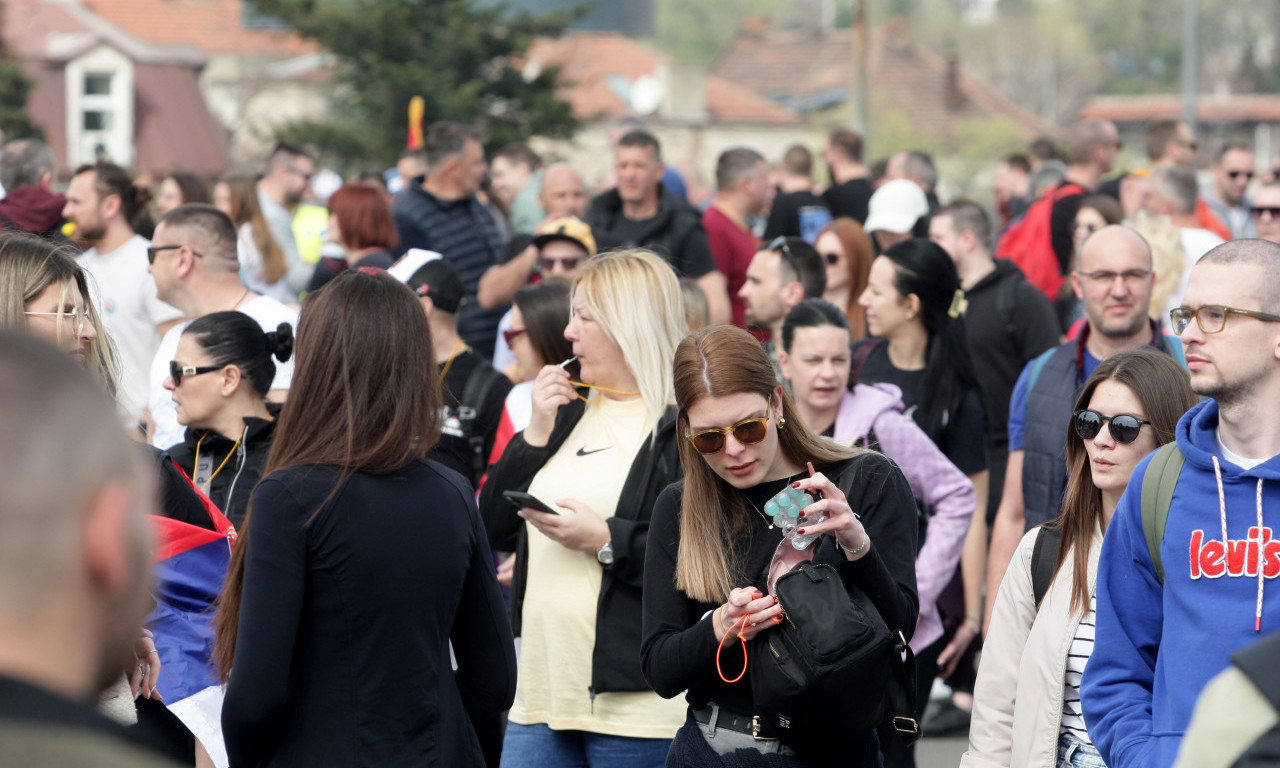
<point>280,342</point>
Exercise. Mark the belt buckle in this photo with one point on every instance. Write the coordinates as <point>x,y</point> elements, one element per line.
<point>906,725</point>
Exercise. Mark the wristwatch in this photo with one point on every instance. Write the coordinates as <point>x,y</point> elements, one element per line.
<point>605,554</point>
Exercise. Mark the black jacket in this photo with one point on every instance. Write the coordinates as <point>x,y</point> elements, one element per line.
<point>676,233</point>
<point>233,485</point>
<point>615,660</point>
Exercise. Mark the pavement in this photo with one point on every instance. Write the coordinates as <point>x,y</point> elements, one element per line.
<point>940,752</point>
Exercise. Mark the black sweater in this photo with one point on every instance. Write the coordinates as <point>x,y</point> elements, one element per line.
<point>679,651</point>
<point>351,601</point>
<point>615,660</point>
<point>233,485</point>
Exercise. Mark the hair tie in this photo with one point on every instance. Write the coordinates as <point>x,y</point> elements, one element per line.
<point>958,304</point>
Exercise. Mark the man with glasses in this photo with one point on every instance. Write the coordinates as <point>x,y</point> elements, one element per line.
<point>742,187</point>
<point>1174,193</point>
<point>1232,172</point>
<point>1162,636</point>
<point>782,274</point>
<point>195,268</point>
<point>1114,278</point>
<point>284,184</point>
<point>1265,211</point>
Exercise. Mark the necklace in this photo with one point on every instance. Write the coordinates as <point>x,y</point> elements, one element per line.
<point>240,301</point>
<point>453,355</point>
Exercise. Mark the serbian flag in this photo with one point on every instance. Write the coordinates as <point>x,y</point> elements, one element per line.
<point>193,548</point>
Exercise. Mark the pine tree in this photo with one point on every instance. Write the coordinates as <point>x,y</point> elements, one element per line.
<point>15,87</point>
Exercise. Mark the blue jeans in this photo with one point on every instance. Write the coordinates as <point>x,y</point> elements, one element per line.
<point>1073,753</point>
<point>537,746</point>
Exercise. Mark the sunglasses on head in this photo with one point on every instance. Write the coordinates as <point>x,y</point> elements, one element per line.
<point>1124,428</point>
<point>746,432</point>
<point>177,370</point>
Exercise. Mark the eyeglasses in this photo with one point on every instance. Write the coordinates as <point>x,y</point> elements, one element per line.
<point>307,176</point>
<point>511,334</point>
<point>155,249</point>
<point>1237,174</point>
<point>1271,211</point>
<point>1124,427</point>
<point>177,370</point>
<point>78,317</point>
<point>1212,318</point>
<point>832,258</point>
<point>746,432</point>
<point>1088,227</point>
<point>1130,276</point>
<point>567,264</point>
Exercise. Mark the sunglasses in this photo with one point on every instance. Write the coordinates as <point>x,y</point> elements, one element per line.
<point>1237,174</point>
<point>177,370</point>
<point>780,244</point>
<point>746,432</point>
<point>155,249</point>
<point>567,264</point>
<point>1124,427</point>
<point>832,258</point>
<point>1271,211</point>
<point>511,334</point>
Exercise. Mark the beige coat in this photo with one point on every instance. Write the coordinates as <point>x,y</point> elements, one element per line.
<point>1017,701</point>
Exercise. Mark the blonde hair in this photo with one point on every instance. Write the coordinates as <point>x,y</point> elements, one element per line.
<point>1168,257</point>
<point>29,265</point>
<point>715,362</point>
<point>635,297</point>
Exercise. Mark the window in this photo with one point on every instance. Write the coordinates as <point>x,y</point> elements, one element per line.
<point>252,18</point>
<point>100,107</point>
<point>97,84</point>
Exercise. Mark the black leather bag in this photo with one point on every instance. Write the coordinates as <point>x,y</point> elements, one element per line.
<point>832,666</point>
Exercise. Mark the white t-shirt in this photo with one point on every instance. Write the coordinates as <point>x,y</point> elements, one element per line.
<point>267,311</point>
<point>1196,242</point>
<point>125,296</point>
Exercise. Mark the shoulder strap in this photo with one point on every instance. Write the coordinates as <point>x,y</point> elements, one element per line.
<point>1041,361</point>
<point>1158,484</point>
<point>1006,303</point>
<point>474,394</point>
<point>1044,560</point>
<point>901,690</point>
<point>862,350</point>
<point>1257,662</point>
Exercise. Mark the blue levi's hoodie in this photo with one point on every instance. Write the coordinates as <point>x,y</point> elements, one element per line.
<point>1137,702</point>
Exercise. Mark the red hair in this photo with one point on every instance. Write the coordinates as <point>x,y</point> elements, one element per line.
<point>857,250</point>
<point>364,217</point>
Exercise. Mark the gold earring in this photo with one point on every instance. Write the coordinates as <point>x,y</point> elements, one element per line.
<point>782,422</point>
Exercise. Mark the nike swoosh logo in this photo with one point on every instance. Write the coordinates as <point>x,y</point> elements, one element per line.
<point>584,452</point>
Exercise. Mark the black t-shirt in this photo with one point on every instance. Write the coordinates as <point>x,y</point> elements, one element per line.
<point>797,214</point>
<point>849,199</point>
<point>964,438</point>
<point>328,268</point>
<point>462,420</point>
<point>631,230</point>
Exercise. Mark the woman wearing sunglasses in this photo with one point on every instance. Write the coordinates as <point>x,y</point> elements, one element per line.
<point>362,566</point>
<point>219,381</point>
<point>599,461</point>
<point>847,250</point>
<point>44,291</point>
<point>1026,710</point>
<point>711,546</point>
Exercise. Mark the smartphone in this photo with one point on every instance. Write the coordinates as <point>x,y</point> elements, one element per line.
<point>521,499</point>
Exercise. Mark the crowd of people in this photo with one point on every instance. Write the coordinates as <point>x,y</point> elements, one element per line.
<point>489,461</point>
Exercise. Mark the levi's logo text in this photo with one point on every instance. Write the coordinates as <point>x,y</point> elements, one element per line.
<point>1212,559</point>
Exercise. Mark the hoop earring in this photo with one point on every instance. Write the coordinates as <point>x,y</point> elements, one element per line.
<point>782,423</point>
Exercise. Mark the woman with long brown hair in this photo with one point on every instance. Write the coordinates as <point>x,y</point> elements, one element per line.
<point>1026,707</point>
<point>847,249</point>
<point>711,546</point>
<point>262,262</point>
<point>360,560</point>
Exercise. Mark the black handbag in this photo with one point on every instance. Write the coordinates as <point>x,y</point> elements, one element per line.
<point>832,666</point>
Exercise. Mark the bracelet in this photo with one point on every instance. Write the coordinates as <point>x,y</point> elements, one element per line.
<point>865,540</point>
<point>976,621</point>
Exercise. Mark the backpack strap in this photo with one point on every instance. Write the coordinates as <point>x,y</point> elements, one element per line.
<point>1044,560</point>
<point>862,349</point>
<point>901,690</point>
<point>1006,304</point>
<point>1041,361</point>
<point>1258,663</point>
<point>1158,483</point>
<point>474,395</point>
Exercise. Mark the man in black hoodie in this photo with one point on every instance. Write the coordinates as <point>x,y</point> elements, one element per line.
<point>641,212</point>
<point>30,205</point>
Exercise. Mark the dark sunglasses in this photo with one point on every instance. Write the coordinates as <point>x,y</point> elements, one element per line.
<point>155,249</point>
<point>1237,174</point>
<point>1272,211</point>
<point>832,258</point>
<point>1124,427</point>
<point>746,432</point>
<point>177,370</point>
<point>511,334</point>
<point>568,263</point>
<point>780,244</point>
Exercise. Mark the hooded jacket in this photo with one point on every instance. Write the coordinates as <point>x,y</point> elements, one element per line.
<point>1158,645</point>
<point>933,479</point>
<point>675,233</point>
<point>232,486</point>
<point>32,209</point>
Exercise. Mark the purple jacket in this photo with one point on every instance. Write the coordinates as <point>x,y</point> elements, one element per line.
<point>933,479</point>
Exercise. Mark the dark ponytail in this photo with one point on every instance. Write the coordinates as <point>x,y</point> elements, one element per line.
<point>234,338</point>
<point>926,270</point>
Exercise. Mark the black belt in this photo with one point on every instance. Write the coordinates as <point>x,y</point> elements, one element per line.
<point>751,725</point>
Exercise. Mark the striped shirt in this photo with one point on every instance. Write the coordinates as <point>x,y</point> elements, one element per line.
<point>1077,657</point>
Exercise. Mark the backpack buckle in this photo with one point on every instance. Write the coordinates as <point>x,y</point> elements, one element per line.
<point>906,725</point>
